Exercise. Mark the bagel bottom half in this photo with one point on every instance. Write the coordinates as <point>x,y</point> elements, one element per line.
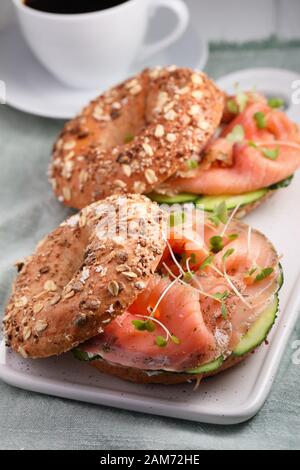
<point>248,208</point>
<point>139,376</point>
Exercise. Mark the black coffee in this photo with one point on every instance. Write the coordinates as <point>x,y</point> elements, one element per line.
<point>68,7</point>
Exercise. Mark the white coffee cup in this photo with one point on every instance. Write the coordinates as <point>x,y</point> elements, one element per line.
<point>84,50</point>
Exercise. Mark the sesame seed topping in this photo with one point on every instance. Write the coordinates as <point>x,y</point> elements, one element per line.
<point>159,131</point>
<point>151,176</point>
<point>113,288</point>
<point>126,170</point>
<point>197,79</point>
<point>21,302</point>
<point>120,184</point>
<point>67,194</point>
<point>40,326</point>
<point>148,149</point>
<point>139,187</point>
<point>69,295</point>
<point>69,145</point>
<point>171,138</point>
<point>171,115</point>
<point>195,109</point>
<point>197,94</point>
<point>38,307</point>
<point>130,275</point>
<point>22,352</point>
<point>136,90</point>
<point>26,333</point>
<point>50,286</point>
<point>204,125</point>
<point>55,299</point>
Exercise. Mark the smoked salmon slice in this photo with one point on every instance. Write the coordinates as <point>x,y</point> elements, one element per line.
<point>208,290</point>
<point>256,149</point>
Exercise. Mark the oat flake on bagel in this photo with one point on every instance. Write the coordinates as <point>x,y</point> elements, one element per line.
<point>135,136</point>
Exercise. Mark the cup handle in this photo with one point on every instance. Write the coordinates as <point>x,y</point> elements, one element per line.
<point>182,13</point>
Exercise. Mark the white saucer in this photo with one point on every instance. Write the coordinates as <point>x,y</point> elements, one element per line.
<point>31,88</point>
<point>272,82</point>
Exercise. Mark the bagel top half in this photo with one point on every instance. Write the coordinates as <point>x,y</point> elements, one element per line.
<point>135,136</point>
<point>83,274</point>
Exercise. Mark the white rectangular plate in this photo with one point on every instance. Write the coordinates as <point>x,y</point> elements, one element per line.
<point>229,398</point>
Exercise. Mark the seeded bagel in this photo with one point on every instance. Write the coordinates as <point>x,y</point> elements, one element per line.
<point>135,136</point>
<point>81,276</point>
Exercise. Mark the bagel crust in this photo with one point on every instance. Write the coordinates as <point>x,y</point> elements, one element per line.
<point>80,276</point>
<point>135,136</point>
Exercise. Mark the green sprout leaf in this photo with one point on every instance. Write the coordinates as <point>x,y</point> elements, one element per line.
<point>272,154</point>
<point>139,325</point>
<point>216,244</point>
<point>219,214</point>
<point>242,101</point>
<point>228,253</point>
<point>150,326</point>
<point>276,102</point>
<point>266,272</point>
<point>233,236</point>
<point>144,325</point>
<point>232,106</point>
<point>207,262</point>
<point>260,119</point>
<point>176,218</point>
<point>161,341</point>
<point>221,296</point>
<point>188,277</point>
<point>192,164</point>
<point>175,339</point>
<point>252,144</point>
<point>224,310</point>
<point>237,134</point>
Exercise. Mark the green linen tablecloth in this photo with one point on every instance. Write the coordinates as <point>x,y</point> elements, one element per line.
<point>28,210</point>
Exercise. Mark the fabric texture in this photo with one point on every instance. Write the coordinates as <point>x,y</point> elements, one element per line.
<point>28,210</point>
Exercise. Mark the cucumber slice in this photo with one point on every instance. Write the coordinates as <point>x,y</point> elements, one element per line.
<point>178,199</point>
<point>259,331</point>
<point>206,368</point>
<point>84,356</point>
<point>210,202</point>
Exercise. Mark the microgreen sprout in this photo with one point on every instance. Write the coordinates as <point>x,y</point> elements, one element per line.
<point>237,134</point>
<point>272,154</point>
<point>275,102</point>
<point>260,119</point>
<point>216,244</point>
<point>219,214</point>
<point>233,236</point>
<point>266,272</point>
<point>176,218</point>
<point>227,254</point>
<point>207,262</point>
<point>232,106</point>
<point>192,164</point>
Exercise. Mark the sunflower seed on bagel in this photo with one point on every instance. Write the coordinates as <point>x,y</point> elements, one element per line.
<point>73,285</point>
<point>135,136</point>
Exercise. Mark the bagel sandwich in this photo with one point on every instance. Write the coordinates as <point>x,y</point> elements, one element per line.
<point>146,295</point>
<point>172,134</point>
